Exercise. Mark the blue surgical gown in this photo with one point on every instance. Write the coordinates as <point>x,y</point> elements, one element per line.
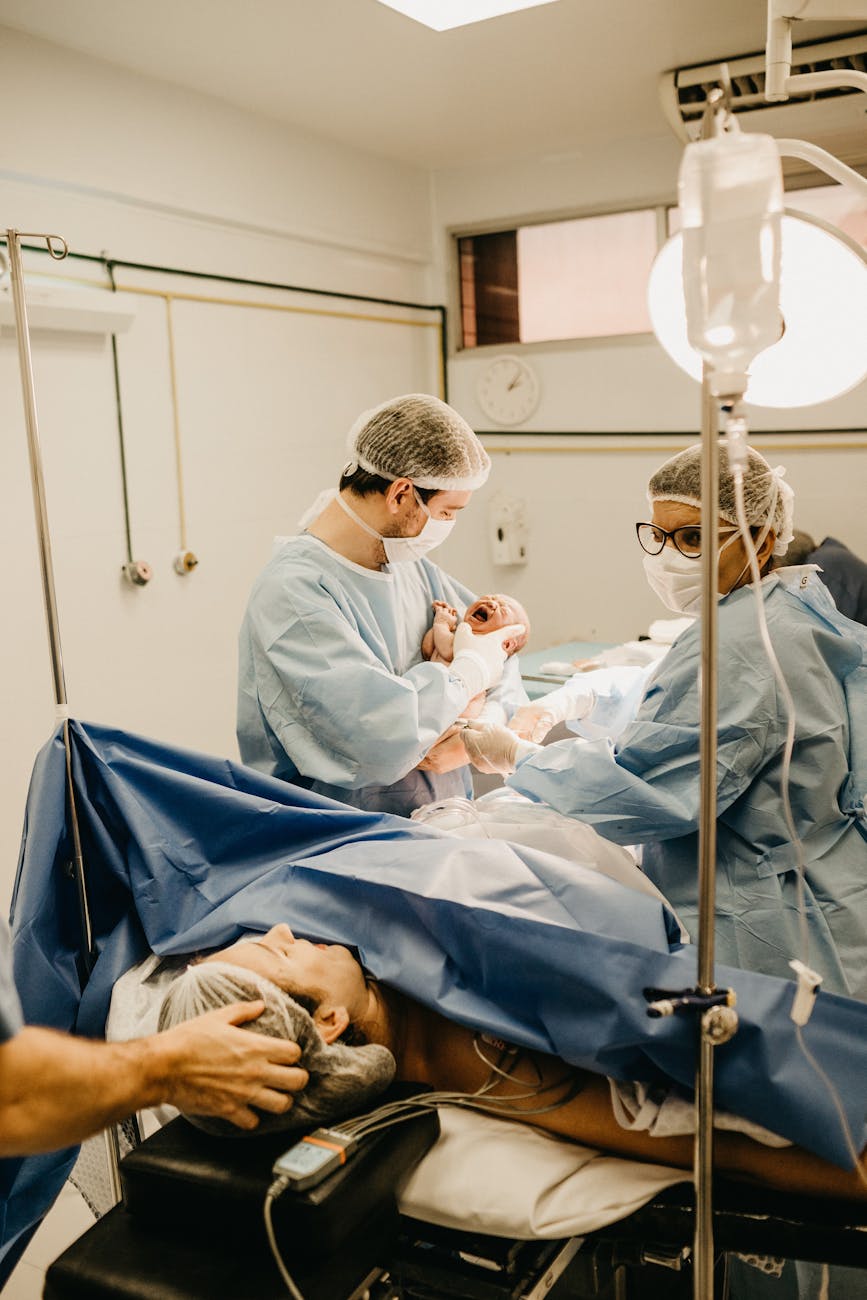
<point>11,1018</point>
<point>333,692</point>
<point>645,788</point>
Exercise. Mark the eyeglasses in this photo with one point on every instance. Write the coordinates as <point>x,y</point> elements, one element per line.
<point>687,538</point>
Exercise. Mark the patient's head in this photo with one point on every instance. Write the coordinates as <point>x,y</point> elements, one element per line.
<point>490,613</point>
<point>343,1078</point>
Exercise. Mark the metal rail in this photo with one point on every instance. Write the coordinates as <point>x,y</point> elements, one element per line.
<point>58,249</point>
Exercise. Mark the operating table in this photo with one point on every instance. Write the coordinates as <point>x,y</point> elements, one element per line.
<point>191,1227</point>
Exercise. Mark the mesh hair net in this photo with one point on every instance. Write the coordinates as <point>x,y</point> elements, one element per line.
<point>342,1079</point>
<point>420,438</point>
<point>768,499</point>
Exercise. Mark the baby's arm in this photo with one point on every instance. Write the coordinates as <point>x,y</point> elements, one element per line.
<point>440,636</point>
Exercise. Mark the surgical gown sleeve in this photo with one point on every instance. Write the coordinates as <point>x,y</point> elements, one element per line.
<point>337,709</point>
<point>617,692</point>
<point>646,786</point>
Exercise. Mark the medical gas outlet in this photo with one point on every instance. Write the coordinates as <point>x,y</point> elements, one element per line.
<point>138,573</point>
<point>508,530</point>
<point>185,562</point>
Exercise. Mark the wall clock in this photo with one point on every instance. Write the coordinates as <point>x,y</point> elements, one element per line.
<point>508,390</point>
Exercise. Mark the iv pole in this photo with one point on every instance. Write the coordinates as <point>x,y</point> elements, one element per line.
<point>719,1022</point>
<point>703,1150</point>
<point>58,249</point>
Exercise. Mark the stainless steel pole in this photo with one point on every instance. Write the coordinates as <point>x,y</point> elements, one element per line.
<point>25,360</point>
<point>22,330</point>
<point>703,1256</point>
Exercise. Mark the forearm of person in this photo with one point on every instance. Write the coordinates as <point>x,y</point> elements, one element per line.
<point>476,709</point>
<point>365,726</point>
<point>447,755</point>
<point>588,1118</point>
<point>577,778</point>
<point>615,695</point>
<point>55,1090</point>
<point>647,787</point>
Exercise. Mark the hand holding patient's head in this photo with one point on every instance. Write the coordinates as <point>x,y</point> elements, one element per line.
<point>342,1079</point>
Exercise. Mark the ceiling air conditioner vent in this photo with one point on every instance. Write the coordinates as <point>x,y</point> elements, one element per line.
<point>835,119</point>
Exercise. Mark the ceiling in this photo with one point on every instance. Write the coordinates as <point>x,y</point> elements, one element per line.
<point>542,82</point>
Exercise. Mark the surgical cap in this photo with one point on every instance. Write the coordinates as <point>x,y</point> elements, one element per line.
<point>768,499</point>
<point>342,1079</point>
<point>420,438</point>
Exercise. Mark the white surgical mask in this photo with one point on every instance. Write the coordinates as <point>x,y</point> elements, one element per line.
<point>676,578</point>
<point>399,550</point>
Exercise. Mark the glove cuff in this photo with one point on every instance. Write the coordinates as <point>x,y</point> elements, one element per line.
<point>525,749</point>
<point>567,705</point>
<point>471,671</point>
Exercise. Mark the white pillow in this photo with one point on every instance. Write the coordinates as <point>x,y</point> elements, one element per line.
<point>507,1179</point>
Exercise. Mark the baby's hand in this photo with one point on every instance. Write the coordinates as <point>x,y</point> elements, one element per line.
<point>444,613</point>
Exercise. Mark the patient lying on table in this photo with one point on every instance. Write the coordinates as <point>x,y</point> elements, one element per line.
<point>487,614</point>
<point>353,1014</point>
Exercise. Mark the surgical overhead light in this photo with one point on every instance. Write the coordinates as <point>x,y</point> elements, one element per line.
<point>823,302</point>
<point>442,15</point>
<point>766,307</point>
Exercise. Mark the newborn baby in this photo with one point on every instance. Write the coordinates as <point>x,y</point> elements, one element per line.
<point>487,614</point>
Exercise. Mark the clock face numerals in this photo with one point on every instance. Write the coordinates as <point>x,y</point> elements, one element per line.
<point>508,391</point>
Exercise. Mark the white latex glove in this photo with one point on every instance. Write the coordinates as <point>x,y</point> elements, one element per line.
<point>479,657</point>
<point>533,722</point>
<point>573,700</point>
<point>494,749</point>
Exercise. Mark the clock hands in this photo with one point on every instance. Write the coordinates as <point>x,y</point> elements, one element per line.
<point>508,390</point>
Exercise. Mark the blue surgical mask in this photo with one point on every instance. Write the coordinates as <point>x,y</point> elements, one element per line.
<point>400,550</point>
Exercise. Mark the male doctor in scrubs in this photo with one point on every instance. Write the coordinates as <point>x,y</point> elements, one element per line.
<point>333,691</point>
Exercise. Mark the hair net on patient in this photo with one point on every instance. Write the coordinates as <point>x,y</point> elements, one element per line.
<point>342,1079</point>
<point>420,438</point>
<point>768,499</point>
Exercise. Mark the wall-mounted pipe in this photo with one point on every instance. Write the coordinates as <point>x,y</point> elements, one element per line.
<point>138,573</point>
<point>185,560</point>
<point>437,308</point>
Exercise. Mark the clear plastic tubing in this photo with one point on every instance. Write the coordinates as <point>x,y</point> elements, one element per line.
<point>731,200</point>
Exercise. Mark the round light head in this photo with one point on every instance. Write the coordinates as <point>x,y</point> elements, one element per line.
<point>823,300</point>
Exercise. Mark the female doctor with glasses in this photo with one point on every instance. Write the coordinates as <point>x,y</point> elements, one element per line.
<point>643,788</point>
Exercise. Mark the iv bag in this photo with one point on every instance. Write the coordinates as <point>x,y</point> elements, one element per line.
<point>730,192</point>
